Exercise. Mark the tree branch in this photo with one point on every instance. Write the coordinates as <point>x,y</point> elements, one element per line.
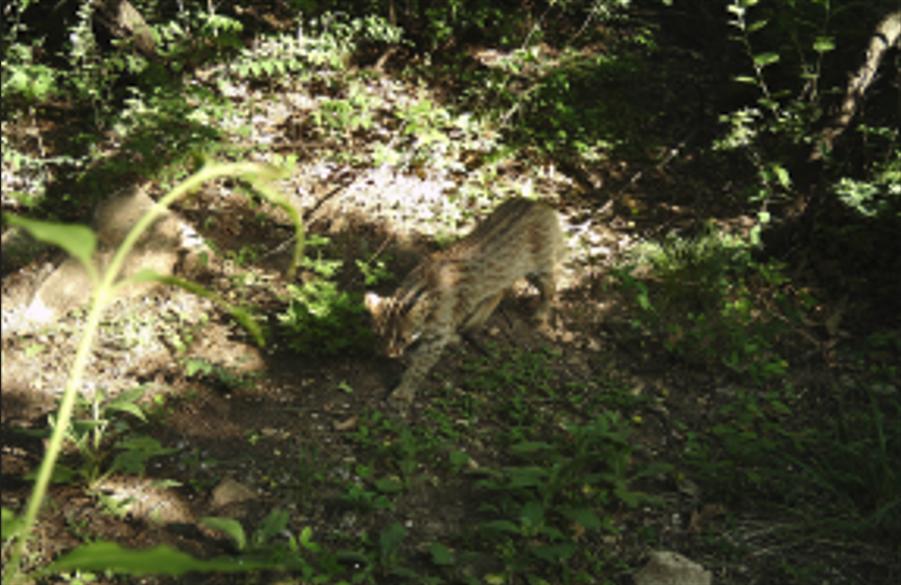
<point>885,36</point>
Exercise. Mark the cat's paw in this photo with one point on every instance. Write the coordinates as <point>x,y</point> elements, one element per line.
<point>400,399</point>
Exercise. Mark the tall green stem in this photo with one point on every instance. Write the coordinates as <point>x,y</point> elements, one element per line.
<point>99,300</point>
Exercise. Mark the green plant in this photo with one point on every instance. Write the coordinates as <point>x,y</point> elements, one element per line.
<point>879,194</point>
<point>788,50</point>
<point>395,450</point>
<point>549,496</point>
<point>25,80</point>
<point>220,375</point>
<point>274,544</point>
<point>97,436</point>
<point>320,318</point>
<point>374,271</point>
<point>763,447</point>
<point>557,479</point>
<point>285,59</point>
<point>711,302</point>
<point>80,243</point>
<point>345,115</point>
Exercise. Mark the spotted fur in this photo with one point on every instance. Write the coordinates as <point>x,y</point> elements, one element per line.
<point>456,290</point>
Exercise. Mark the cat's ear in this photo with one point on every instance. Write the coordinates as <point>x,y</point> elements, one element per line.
<point>373,303</point>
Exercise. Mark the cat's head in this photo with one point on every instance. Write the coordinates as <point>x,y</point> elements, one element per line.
<point>397,324</point>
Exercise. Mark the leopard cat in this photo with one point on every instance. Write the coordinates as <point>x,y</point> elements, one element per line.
<point>455,290</point>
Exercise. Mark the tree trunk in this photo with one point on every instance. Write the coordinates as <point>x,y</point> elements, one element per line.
<point>125,22</point>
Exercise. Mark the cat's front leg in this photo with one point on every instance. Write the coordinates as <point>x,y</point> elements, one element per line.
<point>421,360</point>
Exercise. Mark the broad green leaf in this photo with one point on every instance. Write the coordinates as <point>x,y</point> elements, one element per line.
<point>306,540</point>
<point>77,240</point>
<point>554,553</point>
<point>757,25</point>
<point>231,527</point>
<point>125,402</point>
<point>782,176</point>
<point>390,539</point>
<point>584,517</point>
<point>528,447</point>
<point>275,522</point>
<point>389,485</point>
<point>764,59</point>
<point>533,476</point>
<point>135,453</point>
<point>161,560</point>
<point>824,44</point>
<point>532,514</point>
<point>458,459</point>
<point>9,525</point>
<point>62,474</point>
<point>500,526</point>
<point>441,555</point>
<point>143,443</point>
<point>129,407</point>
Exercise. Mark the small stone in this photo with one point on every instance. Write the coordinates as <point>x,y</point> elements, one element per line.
<point>669,568</point>
<point>230,492</point>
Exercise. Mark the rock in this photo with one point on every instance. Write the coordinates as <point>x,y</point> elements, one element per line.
<point>230,492</point>
<point>669,568</point>
<point>69,286</point>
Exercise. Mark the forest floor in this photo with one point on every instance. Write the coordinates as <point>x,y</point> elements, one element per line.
<point>523,460</point>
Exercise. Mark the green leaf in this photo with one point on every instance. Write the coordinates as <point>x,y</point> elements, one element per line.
<point>161,560</point>
<point>458,459</point>
<point>823,44</point>
<point>441,555</point>
<point>584,517</point>
<point>757,25</point>
<point>529,476</point>
<point>136,451</point>
<point>764,59</point>
<point>275,522</point>
<point>390,539</point>
<point>125,402</point>
<point>9,525</point>
<point>532,514</point>
<point>554,553</point>
<point>77,240</point>
<point>62,474</point>
<point>500,526</point>
<point>243,317</point>
<point>231,527</point>
<point>528,447</point>
<point>389,485</point>
<point>782,176</point>
<point>306,540</point>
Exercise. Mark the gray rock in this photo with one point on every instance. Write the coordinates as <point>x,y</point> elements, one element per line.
<point>669,568</point>
<point>69,285</point>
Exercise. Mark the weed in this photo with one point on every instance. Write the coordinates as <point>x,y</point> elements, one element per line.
<point>764,448</point>
<point>320,318</point>
<point>540,506</point>
<point>106,444</point>
<point>81,243</point>
<point>711,302</point>
<point>345,116</point>
<point>220,376</point>
<point>557,479</point>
